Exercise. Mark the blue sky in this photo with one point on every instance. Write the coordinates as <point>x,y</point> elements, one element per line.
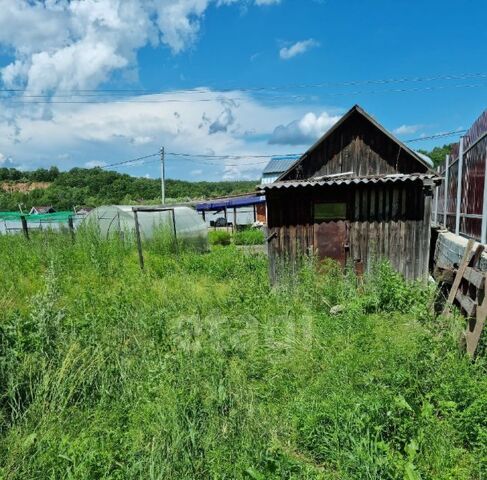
<point>228,77</point>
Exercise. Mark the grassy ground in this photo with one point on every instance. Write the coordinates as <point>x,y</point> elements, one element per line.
<point>197,369</point>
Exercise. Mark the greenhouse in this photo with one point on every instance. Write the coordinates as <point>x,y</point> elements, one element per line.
<point>182,222</point>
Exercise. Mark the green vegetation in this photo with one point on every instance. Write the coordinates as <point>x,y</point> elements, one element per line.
<point>249,236</point>
<point>197,369</point>
<point>219,237</point>
<point>94,187</point>
<point>244,237</point>
<point>438,154</point>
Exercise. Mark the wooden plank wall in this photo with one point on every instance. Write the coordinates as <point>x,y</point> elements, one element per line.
<point>389,221</point>
<point>392,222</point>
<point>357,147</point>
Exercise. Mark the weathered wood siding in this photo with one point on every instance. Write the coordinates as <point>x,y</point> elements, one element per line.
<point>358,147</point>
<point>386,221</point>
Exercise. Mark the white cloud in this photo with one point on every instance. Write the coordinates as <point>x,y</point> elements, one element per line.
<point>78,44</point>
<point>116,131</point>
<point>196,172</point>
<point>407,129</point>
<point>232,172</point>
<point>267,2</point>
<point>297,48</point>
<point>304,131</point>
<point>6,162</point>
<point>141,140</point>
<point>95,163</point>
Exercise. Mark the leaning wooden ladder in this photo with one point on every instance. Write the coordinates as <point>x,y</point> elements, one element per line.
<point>468,290</point>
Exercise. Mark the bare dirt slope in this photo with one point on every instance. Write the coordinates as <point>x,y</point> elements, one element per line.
<point>23,187</point>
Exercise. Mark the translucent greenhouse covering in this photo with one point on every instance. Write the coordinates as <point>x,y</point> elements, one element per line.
<point>118,219</point>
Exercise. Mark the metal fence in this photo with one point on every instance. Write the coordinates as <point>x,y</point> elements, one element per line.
<point>460,202</point>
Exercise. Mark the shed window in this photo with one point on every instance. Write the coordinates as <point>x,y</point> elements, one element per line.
<point>330,211</point>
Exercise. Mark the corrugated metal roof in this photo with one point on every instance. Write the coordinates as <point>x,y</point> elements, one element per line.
<point>353,180</point>
<point>425,158</point>
<point>279,164</point>
<point>233,202</point>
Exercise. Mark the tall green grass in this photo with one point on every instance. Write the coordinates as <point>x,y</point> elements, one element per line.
<point>250,236</point>
<point>196,368</point>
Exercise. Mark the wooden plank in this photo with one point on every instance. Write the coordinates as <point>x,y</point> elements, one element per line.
<point>473,336</point>
<point>402,245</point>
<point>176,245</point>
<point>469,305</point>
<point>387,239</point>
<point>459,276</point>
<point>426,236</point>
<point>475,277</point>
<point>139,240</point>
<point>25,228</point>
<point>474,261</point>
<point>395,203</point>
<point>71,228</point>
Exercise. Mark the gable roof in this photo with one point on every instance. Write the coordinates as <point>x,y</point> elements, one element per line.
<point>280,164</point>
<point>43,209</point>
<point>356,109</point>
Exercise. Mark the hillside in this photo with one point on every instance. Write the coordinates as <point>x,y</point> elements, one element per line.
<point>23,187</point>
<point>93,187</point>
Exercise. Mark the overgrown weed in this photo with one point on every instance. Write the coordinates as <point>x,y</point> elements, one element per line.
<point>198,368</point>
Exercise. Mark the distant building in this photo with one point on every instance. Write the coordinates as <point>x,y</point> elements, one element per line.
<point>219,208</point>
<point>276,167</point>
<point>42,210</point>
<point>83,211</point>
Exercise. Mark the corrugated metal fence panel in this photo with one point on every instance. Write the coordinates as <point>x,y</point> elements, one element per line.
<point>476,130</point>
<point>473,179</point>
<point>473,190</point>
<point>452,196</point>
<point>440,193</point>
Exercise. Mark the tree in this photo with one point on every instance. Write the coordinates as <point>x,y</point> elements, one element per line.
<point>438,154</point>
<point>96,186</point>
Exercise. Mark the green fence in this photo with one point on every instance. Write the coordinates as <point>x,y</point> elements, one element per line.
<point>57,217</point>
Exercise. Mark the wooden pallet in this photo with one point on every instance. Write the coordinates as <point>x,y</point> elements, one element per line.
<point>468,292</point>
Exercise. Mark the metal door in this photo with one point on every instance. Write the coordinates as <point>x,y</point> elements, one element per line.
<point>331,240</point>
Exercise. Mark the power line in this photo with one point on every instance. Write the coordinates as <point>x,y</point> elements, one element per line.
<point>48,99</point>
<point>439,135</point>
<point>203,155</point>
<point>193,156</point>
<point>133,160</point>
<point>415,79</point>
<point>200,162</point>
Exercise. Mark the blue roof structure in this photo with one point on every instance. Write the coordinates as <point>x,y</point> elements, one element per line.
<point>230,202</point>
<point>280,164</point>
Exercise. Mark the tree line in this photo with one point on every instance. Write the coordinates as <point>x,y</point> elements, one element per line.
<point>95,186</point>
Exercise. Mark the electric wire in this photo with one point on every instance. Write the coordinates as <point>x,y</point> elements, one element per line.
<point>416,79</point>
<point>192,157</point>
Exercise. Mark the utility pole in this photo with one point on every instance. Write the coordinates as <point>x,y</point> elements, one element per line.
<point>163,172</point>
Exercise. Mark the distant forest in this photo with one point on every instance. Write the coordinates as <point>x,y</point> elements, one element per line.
<point>95,186</point>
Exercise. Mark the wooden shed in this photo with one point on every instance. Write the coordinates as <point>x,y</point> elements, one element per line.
<point>358,195</point>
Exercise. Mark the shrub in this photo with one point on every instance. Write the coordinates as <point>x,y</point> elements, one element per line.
<point>249,237</point>
<point>219,237</point>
